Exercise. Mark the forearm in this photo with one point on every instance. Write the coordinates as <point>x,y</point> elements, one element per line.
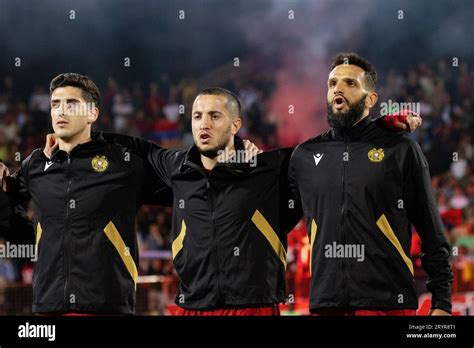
<point>137,145</point>
<point>5,214</point>
<point>440,277</point>
<point>156,156</point>
<point>435,248</point>
<point>15,226</point>
<point>423,213</point>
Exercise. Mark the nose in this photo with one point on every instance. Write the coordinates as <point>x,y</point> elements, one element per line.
<point>337,88</point>
<point>205,122</point>
<point>62,109</point>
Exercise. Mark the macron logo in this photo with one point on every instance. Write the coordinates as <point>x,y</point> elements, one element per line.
<point>318,157</point>
<point>47,165</point>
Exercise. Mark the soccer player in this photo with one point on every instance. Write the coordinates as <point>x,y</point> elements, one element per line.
<point>85,199</point>
<point>230,215</point>
<point>362,188</point>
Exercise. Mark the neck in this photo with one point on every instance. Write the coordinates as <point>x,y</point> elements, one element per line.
<point>67,144</point>
<point>209,163</point>
<point>364,115</point>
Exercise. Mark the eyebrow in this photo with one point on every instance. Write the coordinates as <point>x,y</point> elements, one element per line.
<point>350,79</point>
<point>67,100</point>
<point>344,79</point>
<point>208,112</point>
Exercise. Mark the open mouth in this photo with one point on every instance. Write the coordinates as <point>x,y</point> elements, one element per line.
<point>339,102</point>
<point>204,137</point>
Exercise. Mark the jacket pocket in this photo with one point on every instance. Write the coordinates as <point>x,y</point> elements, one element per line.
<point>177,245</point>
<point>314,231</point>
<point>39,232</point>
<point>114,237</point>
<point>386,229</point>
<point>269,233</point>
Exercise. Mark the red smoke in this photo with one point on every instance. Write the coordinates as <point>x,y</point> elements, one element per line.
<point>306,91</point>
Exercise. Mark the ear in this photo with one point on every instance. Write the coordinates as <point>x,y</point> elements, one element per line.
<point>93,115</point>
<point>236,124</point>
<point>371,99</point>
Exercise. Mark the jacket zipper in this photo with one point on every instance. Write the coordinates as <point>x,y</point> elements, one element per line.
<point>214,237</point>
<point>66,241</point>
<point>343,193</point>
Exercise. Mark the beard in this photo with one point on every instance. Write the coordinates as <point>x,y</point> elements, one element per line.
<point>349,118</point>
<point>220,146</point>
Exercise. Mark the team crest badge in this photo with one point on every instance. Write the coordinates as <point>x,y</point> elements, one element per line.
<point>100,163</point>
<point>376,155</point>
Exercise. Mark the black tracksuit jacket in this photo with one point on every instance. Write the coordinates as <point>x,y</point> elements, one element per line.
<point>230,225</point>
<point>85,204</point>
<point>364,187</point>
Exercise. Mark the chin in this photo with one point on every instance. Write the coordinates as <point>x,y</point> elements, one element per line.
<point>60,134</point>
<point>342,111</point>
<point>63,135</point>
<point>206,147</point>
<point>203,149</point>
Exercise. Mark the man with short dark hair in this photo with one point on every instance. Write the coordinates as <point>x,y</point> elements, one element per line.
<point>362,188</point>
<point>85,199</point>
<point>231,213</point>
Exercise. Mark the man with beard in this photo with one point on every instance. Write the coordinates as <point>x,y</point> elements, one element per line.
<point>230,214</point>
<point>362,187</point>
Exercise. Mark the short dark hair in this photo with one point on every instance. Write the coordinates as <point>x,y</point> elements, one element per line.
<point>354,59</point>
<point>231,96</point>
<point>90,92</point>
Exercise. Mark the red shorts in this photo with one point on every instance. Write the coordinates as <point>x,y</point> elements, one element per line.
<point>72,314</point>
<point>362,312</point>
<point>246,311</point>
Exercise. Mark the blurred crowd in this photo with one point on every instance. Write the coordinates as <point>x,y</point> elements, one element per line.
<point>446,98</point>
<point>160,111</point>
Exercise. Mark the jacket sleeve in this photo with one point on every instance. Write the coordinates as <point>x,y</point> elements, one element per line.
<point>155,192</point>
<point>292,198</point>
<point>158,164</point>
<point>160,159</point>
<point>15,227</point>
<point>5,213</point>
<point>423,214</point>
<point>18,191</point>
